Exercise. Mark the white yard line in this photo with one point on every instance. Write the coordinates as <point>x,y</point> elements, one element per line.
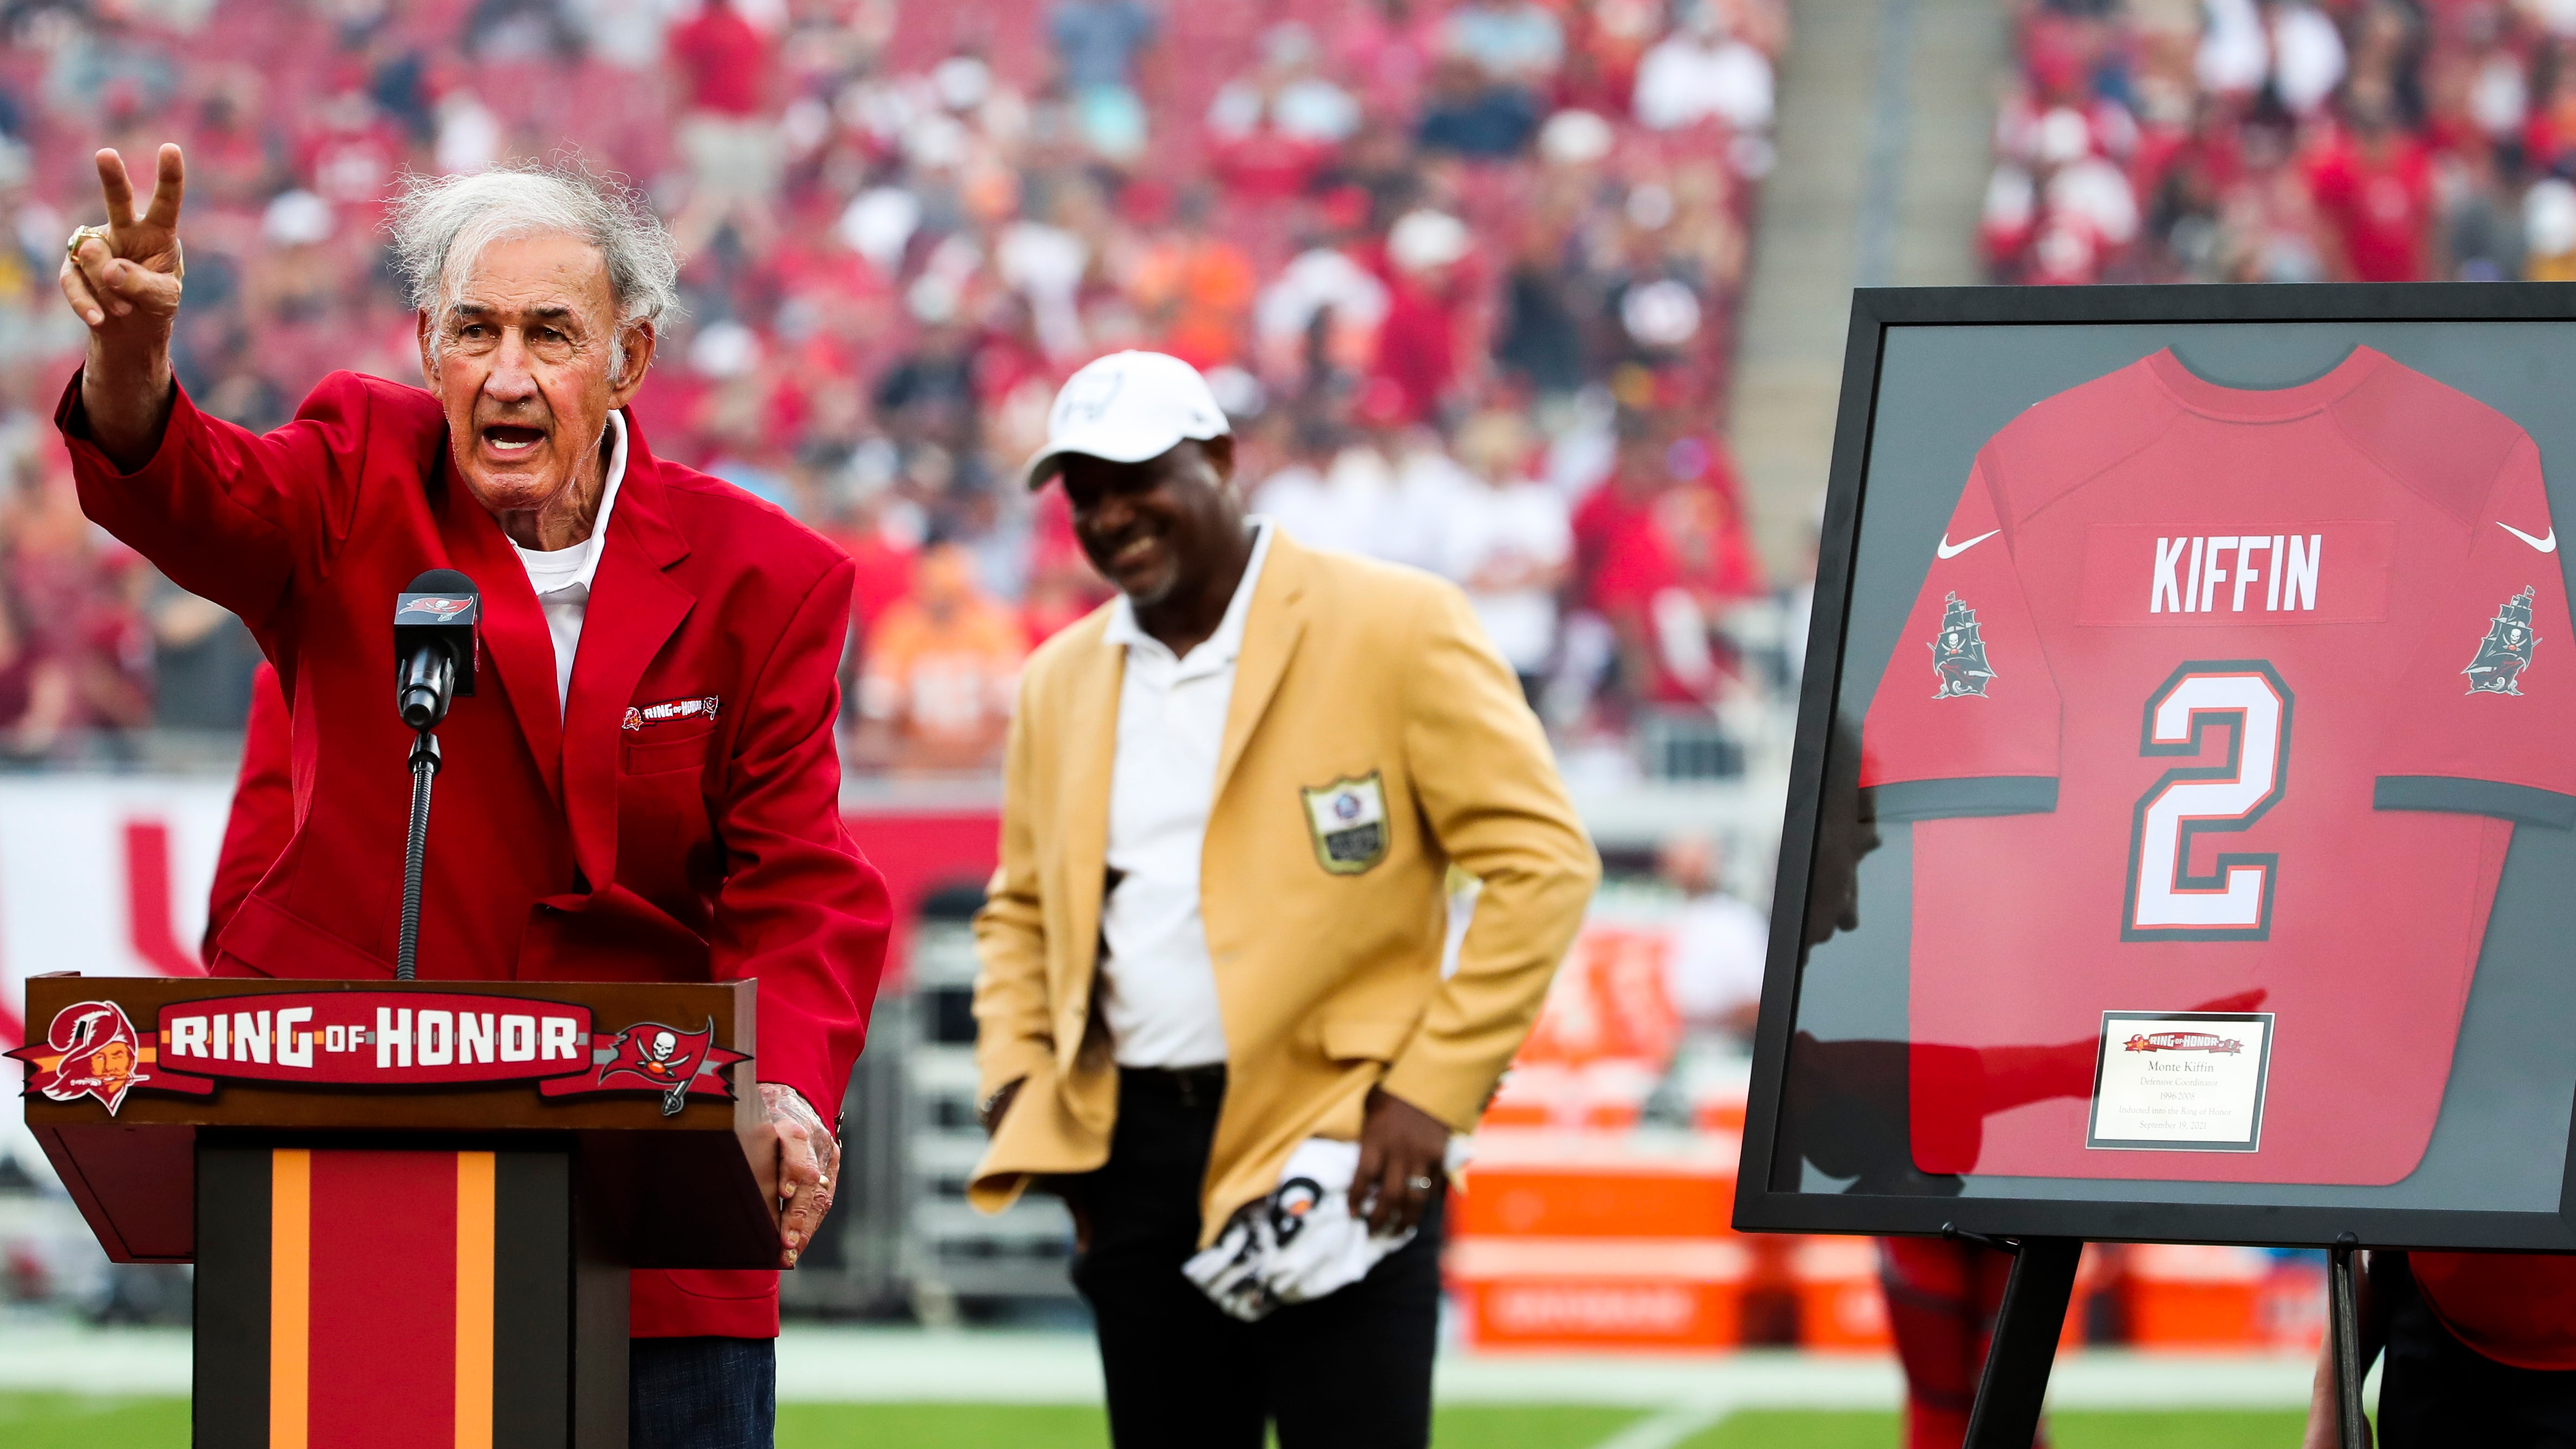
<point>1766,1378</point>
<point>1664,1430</point>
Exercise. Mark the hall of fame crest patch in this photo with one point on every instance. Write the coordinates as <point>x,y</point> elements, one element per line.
<point>1348,820</point>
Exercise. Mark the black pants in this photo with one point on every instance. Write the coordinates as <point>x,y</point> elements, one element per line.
<point>1352,1370</point>
<point>2438,1392</point>
<point>701,1393</point>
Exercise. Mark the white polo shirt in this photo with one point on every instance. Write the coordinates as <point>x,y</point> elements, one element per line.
<point>561,577</point>
<point>1157,987</point>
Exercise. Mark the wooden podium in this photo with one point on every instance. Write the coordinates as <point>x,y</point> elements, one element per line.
<point>411,1205</point>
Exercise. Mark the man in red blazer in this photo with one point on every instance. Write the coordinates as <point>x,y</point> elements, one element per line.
<point>580,833</point>
<point>263,813</point>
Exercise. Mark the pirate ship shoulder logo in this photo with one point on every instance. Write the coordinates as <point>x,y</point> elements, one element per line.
<point>91,1050</point>
<point>2506,650</point>
<point>1959,653</point>
<point>666,1058</point>
<point>1348,820</point>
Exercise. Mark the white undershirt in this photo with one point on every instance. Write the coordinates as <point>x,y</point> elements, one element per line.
<point>561,577</point>
<point>1157,985</point>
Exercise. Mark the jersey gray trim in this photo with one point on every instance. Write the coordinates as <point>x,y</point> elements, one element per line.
<point>1989,795</point>
<point>2458,796</point>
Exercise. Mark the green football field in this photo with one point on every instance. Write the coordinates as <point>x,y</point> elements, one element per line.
<point>32,1419</point>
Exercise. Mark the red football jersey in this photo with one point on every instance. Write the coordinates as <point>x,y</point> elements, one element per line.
<point>2210,693</point>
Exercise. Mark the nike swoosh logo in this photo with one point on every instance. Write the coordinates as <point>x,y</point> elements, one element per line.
<point>2548,544</point>
<point>1953,550</point>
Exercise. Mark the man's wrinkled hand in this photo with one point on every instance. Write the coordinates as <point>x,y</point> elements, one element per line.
<point>1403,1153</point>
<point>806,1167</point>
<point>125,283</point>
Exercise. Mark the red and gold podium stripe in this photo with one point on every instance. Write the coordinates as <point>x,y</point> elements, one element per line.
<point>475,1209</point>
<point>357,1298</point>
<point>377,1260</point>
<point>290,1296</point>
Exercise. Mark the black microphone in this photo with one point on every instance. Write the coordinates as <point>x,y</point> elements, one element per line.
<point>435,619</point>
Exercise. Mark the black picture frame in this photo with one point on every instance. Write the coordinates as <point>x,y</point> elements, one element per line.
<point>1761,1204</point>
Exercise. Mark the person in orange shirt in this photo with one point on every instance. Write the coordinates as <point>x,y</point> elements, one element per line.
<point>935,686</point>
<point>1195,288</point>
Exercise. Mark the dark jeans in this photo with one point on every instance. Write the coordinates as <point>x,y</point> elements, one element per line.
<point>701,1393</point>
<point>1351,1371</point>
<point>2438,1392</point>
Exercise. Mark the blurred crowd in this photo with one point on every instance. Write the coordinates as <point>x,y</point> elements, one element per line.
<point>1466,275</point>
<point>2288,141</point>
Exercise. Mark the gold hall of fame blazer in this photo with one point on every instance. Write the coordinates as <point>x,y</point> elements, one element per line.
<point>1374,737</point>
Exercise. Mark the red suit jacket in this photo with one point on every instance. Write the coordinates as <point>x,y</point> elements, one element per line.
<point>562,845</point>
<point>263,813</point>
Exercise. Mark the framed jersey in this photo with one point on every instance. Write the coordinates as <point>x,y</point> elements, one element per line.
<point>2184,804</point>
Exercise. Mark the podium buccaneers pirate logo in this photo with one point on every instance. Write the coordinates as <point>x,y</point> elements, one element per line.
<point>666,1058</point>
<point>2506,651</point>
<point>90,1051</point>
<point>1959,653</point>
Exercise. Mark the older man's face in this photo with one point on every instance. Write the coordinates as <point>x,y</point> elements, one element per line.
<point>520,359</point>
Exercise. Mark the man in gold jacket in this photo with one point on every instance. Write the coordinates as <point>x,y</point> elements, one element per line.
<point>1233,797</point>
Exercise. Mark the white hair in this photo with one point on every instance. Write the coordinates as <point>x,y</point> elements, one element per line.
<point>441,224</point>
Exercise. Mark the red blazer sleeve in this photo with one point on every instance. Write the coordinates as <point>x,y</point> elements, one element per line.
<point>228,514</point>
<point>263,815</point>
<point>801,911</point>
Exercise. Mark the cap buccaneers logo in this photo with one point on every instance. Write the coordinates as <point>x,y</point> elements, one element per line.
<point>667,1058</point>
<point>1088,395</point>
<point>2506,650</point>
<point>1959,653</point>
<point>90,1051</point>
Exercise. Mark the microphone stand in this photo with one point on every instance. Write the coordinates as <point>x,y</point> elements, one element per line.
<point>424,770</point>
<point>432,665</point>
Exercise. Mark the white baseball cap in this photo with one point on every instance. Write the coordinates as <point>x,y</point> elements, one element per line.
<point>1127,407</point>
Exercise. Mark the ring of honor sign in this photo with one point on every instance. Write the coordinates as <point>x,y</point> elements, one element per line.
<point>369,1040</point>
<point>2184,811</point>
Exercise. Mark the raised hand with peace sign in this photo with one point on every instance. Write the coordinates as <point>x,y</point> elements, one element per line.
<point>124,280</point>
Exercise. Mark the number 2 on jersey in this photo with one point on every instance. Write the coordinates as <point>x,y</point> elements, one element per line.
<point>2245,702</point>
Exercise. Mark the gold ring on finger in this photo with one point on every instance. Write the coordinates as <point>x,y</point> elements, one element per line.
<point>71,247</point>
